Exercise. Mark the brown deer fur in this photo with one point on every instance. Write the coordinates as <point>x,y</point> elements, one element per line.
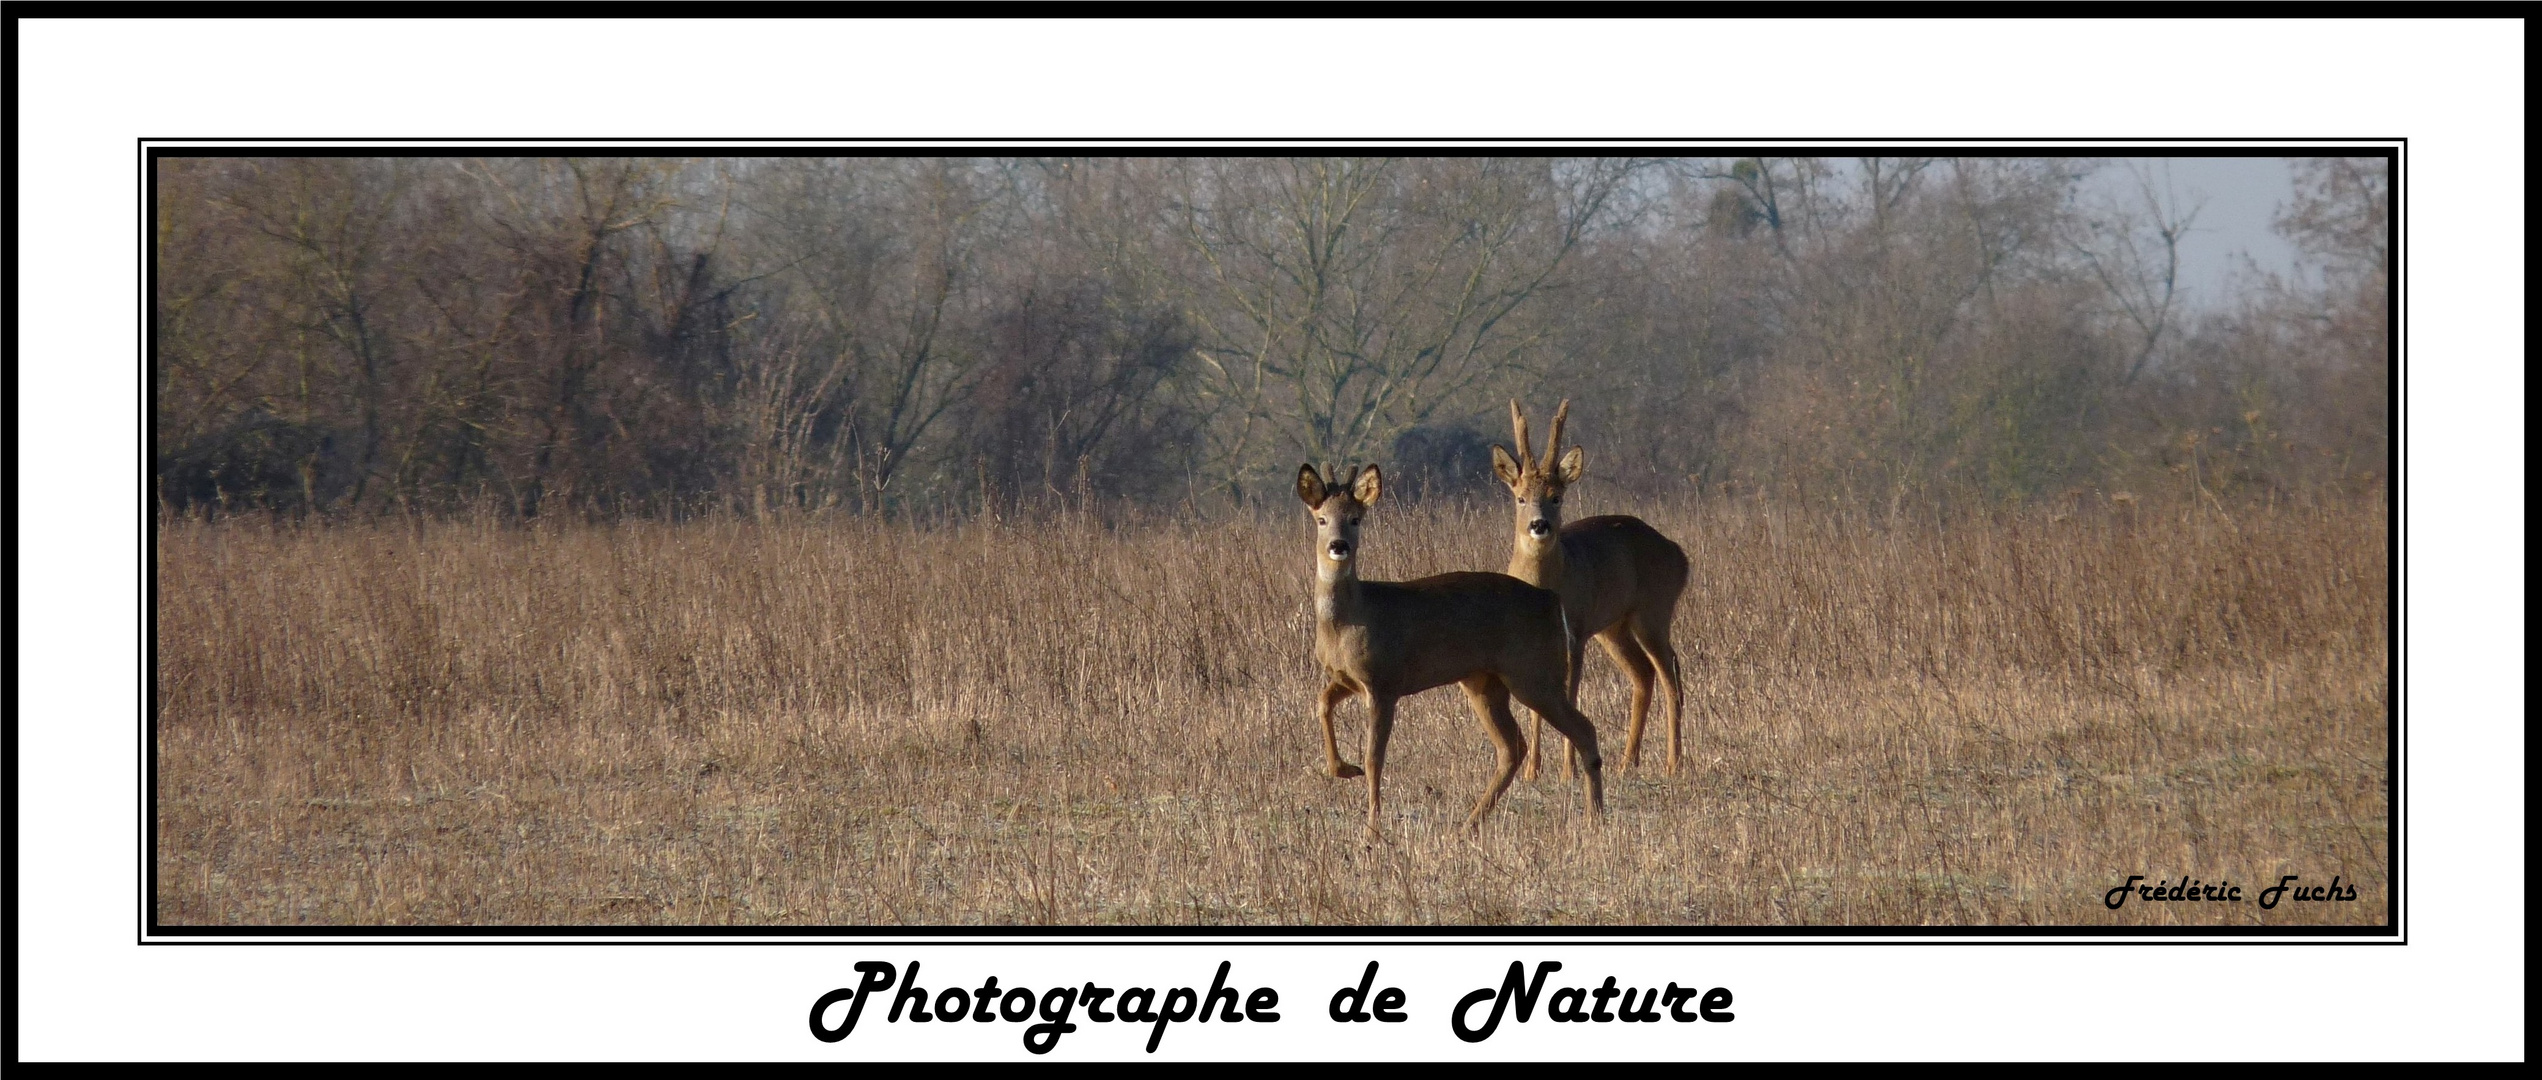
<point>1619,579</point>
<point>1494,635</point>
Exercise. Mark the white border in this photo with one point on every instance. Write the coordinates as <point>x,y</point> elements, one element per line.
<point>88,89</point>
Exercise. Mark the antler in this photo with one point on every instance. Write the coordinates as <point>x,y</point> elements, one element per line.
<point>1553,445</point>
<point>1518,422</point>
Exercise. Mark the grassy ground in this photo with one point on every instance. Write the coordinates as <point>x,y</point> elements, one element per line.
<point>1985,719</point>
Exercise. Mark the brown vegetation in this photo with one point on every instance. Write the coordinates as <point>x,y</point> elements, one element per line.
<point>1990,717</point>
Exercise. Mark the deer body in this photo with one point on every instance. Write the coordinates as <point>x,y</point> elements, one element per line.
<point>1380,636</point>
<point>1496,636</point>
<point>1619,580</point>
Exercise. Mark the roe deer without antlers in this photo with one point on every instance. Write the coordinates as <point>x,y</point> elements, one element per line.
<point>1619,579</point>
<point>1493,634</point>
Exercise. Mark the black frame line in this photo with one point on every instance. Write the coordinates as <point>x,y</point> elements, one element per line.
<point>354,145</point>
<point>9,546</point>
<point>152,932</point>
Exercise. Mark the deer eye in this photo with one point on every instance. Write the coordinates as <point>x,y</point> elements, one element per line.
<point>1321,521</point>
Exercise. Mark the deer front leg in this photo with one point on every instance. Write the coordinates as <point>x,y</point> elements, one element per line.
<point>1333,763</point>
<point>1381,723</point>
<point>1629,658</point>
<point>1536,733</point>
<point>1571,695</point>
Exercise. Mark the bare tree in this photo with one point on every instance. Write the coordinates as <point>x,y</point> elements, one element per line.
<point>1346,300</point>
<point>608,335</point>
<point>2135,255</point>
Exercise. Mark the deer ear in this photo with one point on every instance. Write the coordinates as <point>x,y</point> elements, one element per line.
<point>1573,464</point>
<point>1504,466</point>
<point>1368,486</point>
<point>1310,487</point>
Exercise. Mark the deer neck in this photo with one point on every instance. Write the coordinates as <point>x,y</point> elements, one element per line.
<point>1337,593</point>
<point>1538,563</point>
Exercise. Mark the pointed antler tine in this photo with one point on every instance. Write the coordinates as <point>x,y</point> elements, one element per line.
<point>1553,445</point>
<point>1518,423</point>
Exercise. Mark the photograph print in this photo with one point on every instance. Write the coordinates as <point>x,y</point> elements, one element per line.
<point>852,541</point>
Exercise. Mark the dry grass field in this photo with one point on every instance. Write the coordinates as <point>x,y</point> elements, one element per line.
<point>1100,719</point>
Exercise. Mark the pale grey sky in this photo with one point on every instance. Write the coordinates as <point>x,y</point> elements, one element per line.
<point>2238,197</point>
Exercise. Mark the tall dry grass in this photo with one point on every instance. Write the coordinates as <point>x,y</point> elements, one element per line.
<point>1985,719</point>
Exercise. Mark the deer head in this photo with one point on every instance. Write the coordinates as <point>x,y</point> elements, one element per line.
<point>1538,485</point>
<point>1338,506</point>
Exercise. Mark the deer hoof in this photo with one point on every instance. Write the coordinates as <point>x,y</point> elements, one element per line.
<point>1345,771</point>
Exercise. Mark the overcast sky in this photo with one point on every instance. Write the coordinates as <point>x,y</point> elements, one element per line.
<point>2237,198</point>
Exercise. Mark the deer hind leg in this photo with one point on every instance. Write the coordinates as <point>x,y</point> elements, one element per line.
<point>1544,694</point>
<point>1536,748</point>
<point>1650,631</point>
<point>1333,763</point>
<point>1627,654</point>
<point>1490,698</point>
<point>1381,724</point>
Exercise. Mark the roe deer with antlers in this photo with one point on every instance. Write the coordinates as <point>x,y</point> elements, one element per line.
<point>1619,579</point>
<point>1493,634</point>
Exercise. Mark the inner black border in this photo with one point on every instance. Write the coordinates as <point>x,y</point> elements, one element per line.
<point>155,933</point>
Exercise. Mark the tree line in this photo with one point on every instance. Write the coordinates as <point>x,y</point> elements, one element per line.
<point>765,335</point>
